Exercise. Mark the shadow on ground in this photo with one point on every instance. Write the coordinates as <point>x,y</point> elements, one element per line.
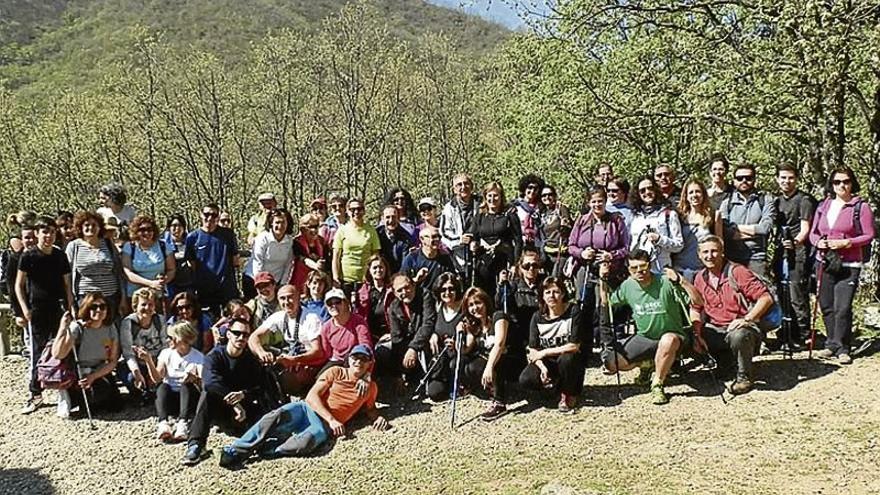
<point>24,482</point>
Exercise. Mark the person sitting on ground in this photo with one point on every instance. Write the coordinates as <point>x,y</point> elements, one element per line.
<point>233,392</point>
<point>656,302</point>
<point>492,367</point>
<point>283,340</point>
<point>97,347</point>
<point>298,428</point>
<point>140,333</point>
<point>343,330</point>
<point>185,307</point>
<point>266,302</point>
<point>733,300</point>
<point>178,371</point>
<point>411,309</point>
<point>373,297</point>
<point>518,298</point>
<point>556,358</point>
<point>427,262</point>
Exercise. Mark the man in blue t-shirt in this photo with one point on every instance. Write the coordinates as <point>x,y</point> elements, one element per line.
<point>212,251</point>
<point>427,263</point>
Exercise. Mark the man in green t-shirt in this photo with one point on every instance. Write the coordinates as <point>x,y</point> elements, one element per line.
<point>656,302</point>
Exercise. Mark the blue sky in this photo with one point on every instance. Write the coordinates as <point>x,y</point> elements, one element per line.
<point>501,11</point>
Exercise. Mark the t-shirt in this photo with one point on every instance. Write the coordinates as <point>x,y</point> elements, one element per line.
<point>338,340</point>
<point>93,269</point>
<point>153,339</point>
<point>655,308</point>
<point>213,253</point>
<point>177,366</point>
<point>312,315</point>
<point>548,332</point>
<point>446,323</point>
<point>45,275</point>
<point>282,329</point>
<point>416,260</point>
<point>790,211</point>
<point>148,263</point>
<point>125,215</point>
<point>342,398</point>
<point>486,341</point>
<point>94,345</point>
<point>357,243</point>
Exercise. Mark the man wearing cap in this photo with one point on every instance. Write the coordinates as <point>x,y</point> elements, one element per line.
<point>427,263</point>
<point>343,330</point>
<point>298,428</point>
<point>428,213</point>
<point>266,301</point>
<point>256,224</point>
<point>319,207</point>
<point>212,251</point>
<point>283,341</point>
<point>394,241</point>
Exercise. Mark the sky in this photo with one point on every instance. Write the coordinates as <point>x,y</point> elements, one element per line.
<point>505,12</point>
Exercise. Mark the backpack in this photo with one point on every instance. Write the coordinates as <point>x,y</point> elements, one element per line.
<point>772,319</point>
<point>54,373</point>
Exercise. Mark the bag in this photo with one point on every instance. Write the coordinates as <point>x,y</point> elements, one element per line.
<point>54,373</point>
<point>772,319</point>
<point>832,263</point>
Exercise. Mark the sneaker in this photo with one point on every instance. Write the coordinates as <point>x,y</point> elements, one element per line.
<point>494,411</point>
<point>844,358</point>
<point>230,458</point>
<point>62,410</point>
<point>566,404</point>
<point>644,377</point>
<point>825,354</point>
<point>181,430</point>
<point>163,431</point>
<point>32,404</point>
<point>658,395</point>
<point>195,453</point>
<point>741,386</point>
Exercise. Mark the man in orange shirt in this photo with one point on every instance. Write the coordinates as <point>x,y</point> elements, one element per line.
<point>298,428</point>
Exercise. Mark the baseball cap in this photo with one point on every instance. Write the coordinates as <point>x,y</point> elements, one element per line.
<point>427,201</point>
<point>263,278</point>
<point>266,196</point>
<point>362,349</point>
<point>334,294</point>
<point>319,201</point>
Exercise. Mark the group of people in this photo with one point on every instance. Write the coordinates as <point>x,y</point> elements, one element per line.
<point>483,295</point>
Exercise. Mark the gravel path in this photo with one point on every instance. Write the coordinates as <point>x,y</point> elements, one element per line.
<point>810,428</point>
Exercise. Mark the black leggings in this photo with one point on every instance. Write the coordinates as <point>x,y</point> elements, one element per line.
<point>836,294</point>
<point>180,403</point>
<point>566,374</point>
<point>507,370</point>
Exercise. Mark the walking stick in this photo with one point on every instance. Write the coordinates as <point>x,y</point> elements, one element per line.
<point>785,301</point>
<point>819,274</point>
<point>79,374</point>
<point>459,340</point>
<point>603,290</point>
<point>433,367</point>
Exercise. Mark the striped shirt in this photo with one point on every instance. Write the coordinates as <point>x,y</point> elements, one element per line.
<point>92,268</point>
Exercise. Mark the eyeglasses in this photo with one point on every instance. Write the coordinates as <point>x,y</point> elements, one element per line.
<point>638,269</point>
<point>334,302</point>
<point>97,307</point>
<point>181,307</point>
<point>355,209</point>
<point>145,229</point>
<point>210,214</point>
<point>745,178</point>
<point>238,333</point>
<point>613,190</point>
<point>444,290</point>
<point>643,190</point>
<point>663,174</point>
<point>547,195</point>
<point>838,182</point>
<point>530,266</point>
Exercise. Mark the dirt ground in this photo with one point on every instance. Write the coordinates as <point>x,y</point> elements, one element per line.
<point>810,427</point>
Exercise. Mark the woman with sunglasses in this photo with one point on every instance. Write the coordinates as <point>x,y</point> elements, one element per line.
<point>618,196</point>
<point>185,307</point>
<point>97,347</point>
<point>95,263</point>
<point>147,262</point>
<point>843,229</point>
<point>310,252</point>
<point>353,245</point>
<point>496,240</point>
<point>403,202</point>
<point>698,221</point>
<point>438,340</point>
<point>273,248</point>
<point>174,238</point>
<point>656,228</point>
<point>373,298</point>
<point>555,356</point>
<point>492,367</point>
<point>518,298</point>
<point>555,229</point>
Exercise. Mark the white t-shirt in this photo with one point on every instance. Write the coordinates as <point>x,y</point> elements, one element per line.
<point>307,333</point>
<point>126,214</point>
<point>177,366</point>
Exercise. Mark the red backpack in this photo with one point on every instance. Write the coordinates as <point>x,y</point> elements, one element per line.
<point>54,373</point>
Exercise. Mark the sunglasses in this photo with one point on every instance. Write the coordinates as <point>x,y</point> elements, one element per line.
<point>355,209</point>
<point>398,199</point>
<point>745,178</point>
<point>181,307</point>
<point>444,290</point>
<point>643,190</point>
<point>663,174</point>
<point>238,333</point>
<point>613,191</point>
<point>334,302</point>
<point>530,266</point>
<point>839,182</point>
<point>547,195</point>
<point>97,307</point>
<point>210,214</point>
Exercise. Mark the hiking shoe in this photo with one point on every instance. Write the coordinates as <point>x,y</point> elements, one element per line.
<point>825,354</point>
<point>163,431</point>
<point>230,458</point>
<point>658,395</point>
<point>181,430</point>
<point>32,404</point>
<point>844,358</point>
<point>741,386</point>
<point>195,453</point>
<point>566,404</point>
<point>62,410</point>
<point>494,411</point>
<point>644,377</point>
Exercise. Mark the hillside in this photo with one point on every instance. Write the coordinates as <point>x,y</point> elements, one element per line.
<point>46,45</point>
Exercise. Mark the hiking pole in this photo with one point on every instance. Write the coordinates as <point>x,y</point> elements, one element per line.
<point>819,274</point>
<point>504,296</point>
<point>785,301</point>
<point>79,374</point>
<point>603,290</point>
<point>712,363</point>
<point>459,340</point>
<point>430,371</point>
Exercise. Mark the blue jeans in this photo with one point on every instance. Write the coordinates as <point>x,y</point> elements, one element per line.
<point>296,431</point>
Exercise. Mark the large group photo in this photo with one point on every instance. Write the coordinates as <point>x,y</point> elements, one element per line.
<point>204,290</point>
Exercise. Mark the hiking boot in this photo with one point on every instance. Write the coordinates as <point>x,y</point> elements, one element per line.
<point>644,377</point>
<point>741,386</point>
<point>566,403</point>
<point>494,411</point>
<point>163,431</point>
<point>32,404</point>
<point>195,453</point>
<point>230,458</point>
<point>181,430</point>
<point>658,395</point>
<point>825,354</point>
<point>844,358</point>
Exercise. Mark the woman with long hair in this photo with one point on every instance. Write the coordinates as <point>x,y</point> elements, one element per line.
<point>698,221</point>
<point>373,298</point>
<point>273,247</point>
<point>655,228</point>
<point>310,252</point>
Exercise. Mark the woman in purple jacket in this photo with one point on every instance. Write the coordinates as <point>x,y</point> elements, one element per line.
<point>843,225</point>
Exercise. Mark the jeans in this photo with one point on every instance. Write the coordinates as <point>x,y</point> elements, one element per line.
<point>294,429</point>
<point>213,409</point>
<point>836,294</point>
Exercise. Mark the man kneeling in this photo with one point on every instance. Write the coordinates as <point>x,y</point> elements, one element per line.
<point>659,318</point>
<point>298,428</point>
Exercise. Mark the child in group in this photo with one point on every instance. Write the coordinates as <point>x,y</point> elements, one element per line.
<point>179,368</point>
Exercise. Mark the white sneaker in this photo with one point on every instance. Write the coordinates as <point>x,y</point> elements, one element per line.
<point>63,409</point>
<point>163,431</point>
<point>32,404</point>
<point>181,430</point>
